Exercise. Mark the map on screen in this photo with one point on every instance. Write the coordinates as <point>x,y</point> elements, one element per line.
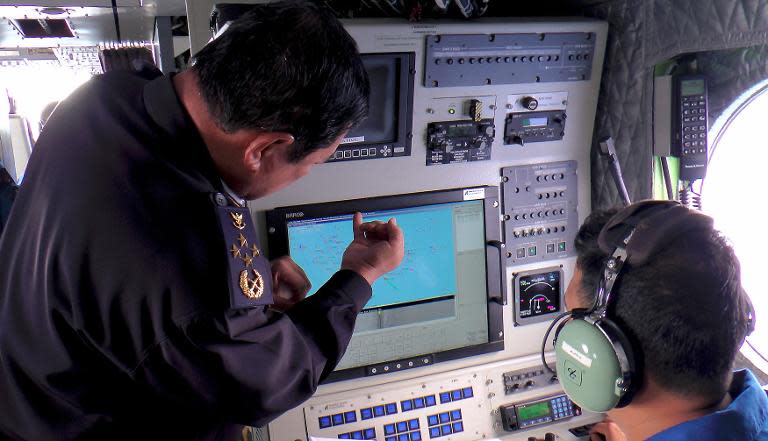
<point>428,270</point>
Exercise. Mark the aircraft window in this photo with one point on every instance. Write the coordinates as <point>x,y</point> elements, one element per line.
<point>734,178</point>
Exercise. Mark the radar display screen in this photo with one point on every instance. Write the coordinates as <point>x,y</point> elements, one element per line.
<point>538,293</point>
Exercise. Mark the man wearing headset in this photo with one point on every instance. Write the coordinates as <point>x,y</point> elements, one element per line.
<point>677,300</point>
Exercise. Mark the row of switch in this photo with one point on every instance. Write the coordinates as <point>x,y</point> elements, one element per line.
<point>444,417</point>
<point>544,213</point>
<point>515,59</point>
<point>694,118</point>
<point>553,177</point>
<point>337,419</point>
<point>369,433</point>
<point>356,153</point>
<point>412,436</point>
<point>456,395</point>
<point>540,231</point>
<point>447,429</point>
<point>418,403</point>
<point>532,250</point>
<point>551,194</point>
<point>401,427</point>
<point>378,411</point>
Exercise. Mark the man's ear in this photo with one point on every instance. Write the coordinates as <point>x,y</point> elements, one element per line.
<point>266,146</point>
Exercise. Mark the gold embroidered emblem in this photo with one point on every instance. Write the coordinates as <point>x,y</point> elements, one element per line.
<point>248,260</point>
<point>243,241</point>
<point>255,250</point>
<point>237,220</point>
<point>253,289</point>
<point>235,251</point>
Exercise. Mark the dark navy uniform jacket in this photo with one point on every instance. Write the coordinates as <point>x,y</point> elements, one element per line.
<point>115,313</point>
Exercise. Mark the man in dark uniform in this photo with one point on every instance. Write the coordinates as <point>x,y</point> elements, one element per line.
<point>134,298</point>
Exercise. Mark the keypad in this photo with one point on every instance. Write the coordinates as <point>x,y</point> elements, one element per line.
<point>445,423</point>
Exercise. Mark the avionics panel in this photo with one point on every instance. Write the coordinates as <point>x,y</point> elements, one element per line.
<point>443,302</point>
<point>482,60</point>
<point>386,132</point>
<point>538,295</point>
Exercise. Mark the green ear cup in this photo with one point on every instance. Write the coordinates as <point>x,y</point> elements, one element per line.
<point>588,367</point>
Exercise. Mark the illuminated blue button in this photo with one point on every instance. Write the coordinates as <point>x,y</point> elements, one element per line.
<point>357,434</point>
<point>366,413</point>
<point>369,433</point>
<point>432,420</point>
<point>445,397</point>
<point>345,436</point>
<point>389,429</point>
<point>434,432</point>
<point>402,437</point>
<point>467,392</point>
<point>325,422</point>
<point>390,438</point>
<point>418,403</point>
<point>402,426</point>
<point>415,436</point>
<point>338,419</point>
<point>391,408</point>
<point>406,405</point>
<point>457,427</point>
<point>456,415</point>
<point>430,400</point>
<point>379,411</point>
<point>350,417</point>
<point>445,417</point>
<point>445,430</point>
<point>456,395</point>
<point>413,424</point>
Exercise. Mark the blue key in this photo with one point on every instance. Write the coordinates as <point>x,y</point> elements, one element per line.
<point>325,422</point>
<point>418,403</point>
<point>369,433</point>
<point>445,430</point>
<point>402,426</point>
<point>350,417</point>
<point>430,399</point>
<point>389,429</point>
<point>456,394</point>
<point>406,405</point>
<point>379,411</point>
<point>456,414</point>
<point>402,437</point>
<point>366,413</point>
<point>357,434</point>
<point>416,436</point>
<point>413,424</point>
<point>432,420</point>
<point>391,408</point>
<point>445,417</point>
<point>458,427</point>
<point>338,419</point>
<point>345,436</point>
<point>467,392</point>
<point>445,397</point>
<point>390,438</point>
<point>434,432</point>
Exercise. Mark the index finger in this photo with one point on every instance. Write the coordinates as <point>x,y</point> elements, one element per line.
<point>395,233</point>
<point>357,222</point>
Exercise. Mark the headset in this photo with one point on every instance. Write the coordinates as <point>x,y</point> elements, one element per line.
<point>596,364</point>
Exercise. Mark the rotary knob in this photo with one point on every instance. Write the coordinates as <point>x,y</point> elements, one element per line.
<point>530,103</point>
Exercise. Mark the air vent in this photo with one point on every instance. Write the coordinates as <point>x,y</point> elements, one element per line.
<point>43,28</point>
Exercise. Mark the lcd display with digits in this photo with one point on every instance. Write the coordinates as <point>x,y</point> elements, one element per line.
<point>692,87</point>
<point>533,411</point>
<point>535,122</point>
<point>462,130</point>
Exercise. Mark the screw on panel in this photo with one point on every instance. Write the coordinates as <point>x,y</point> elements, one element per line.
<point>491,37</point>
<point>542,36</point>
<point>495,204</point>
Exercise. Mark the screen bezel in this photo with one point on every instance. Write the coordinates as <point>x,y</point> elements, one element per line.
<point>277,229</point>
<point>544,317</point>
<point>404,131</point>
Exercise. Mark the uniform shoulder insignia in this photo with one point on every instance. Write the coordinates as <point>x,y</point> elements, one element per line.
<point>250,278</point>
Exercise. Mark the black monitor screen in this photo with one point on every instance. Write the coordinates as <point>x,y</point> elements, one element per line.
<point>381,124</point>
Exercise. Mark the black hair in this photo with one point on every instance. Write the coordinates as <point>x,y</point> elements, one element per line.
<point>684,311</point>
<point>285,66</point>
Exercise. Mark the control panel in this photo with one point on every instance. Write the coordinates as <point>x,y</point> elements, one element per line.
<point>479,60</point>
<point>538,295</point>
<point>539,211</point>
<point>467,405</point>
<point>691,120</point>
<point>459,141</point>
<point>522,128</point>
<point>537,412</point>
